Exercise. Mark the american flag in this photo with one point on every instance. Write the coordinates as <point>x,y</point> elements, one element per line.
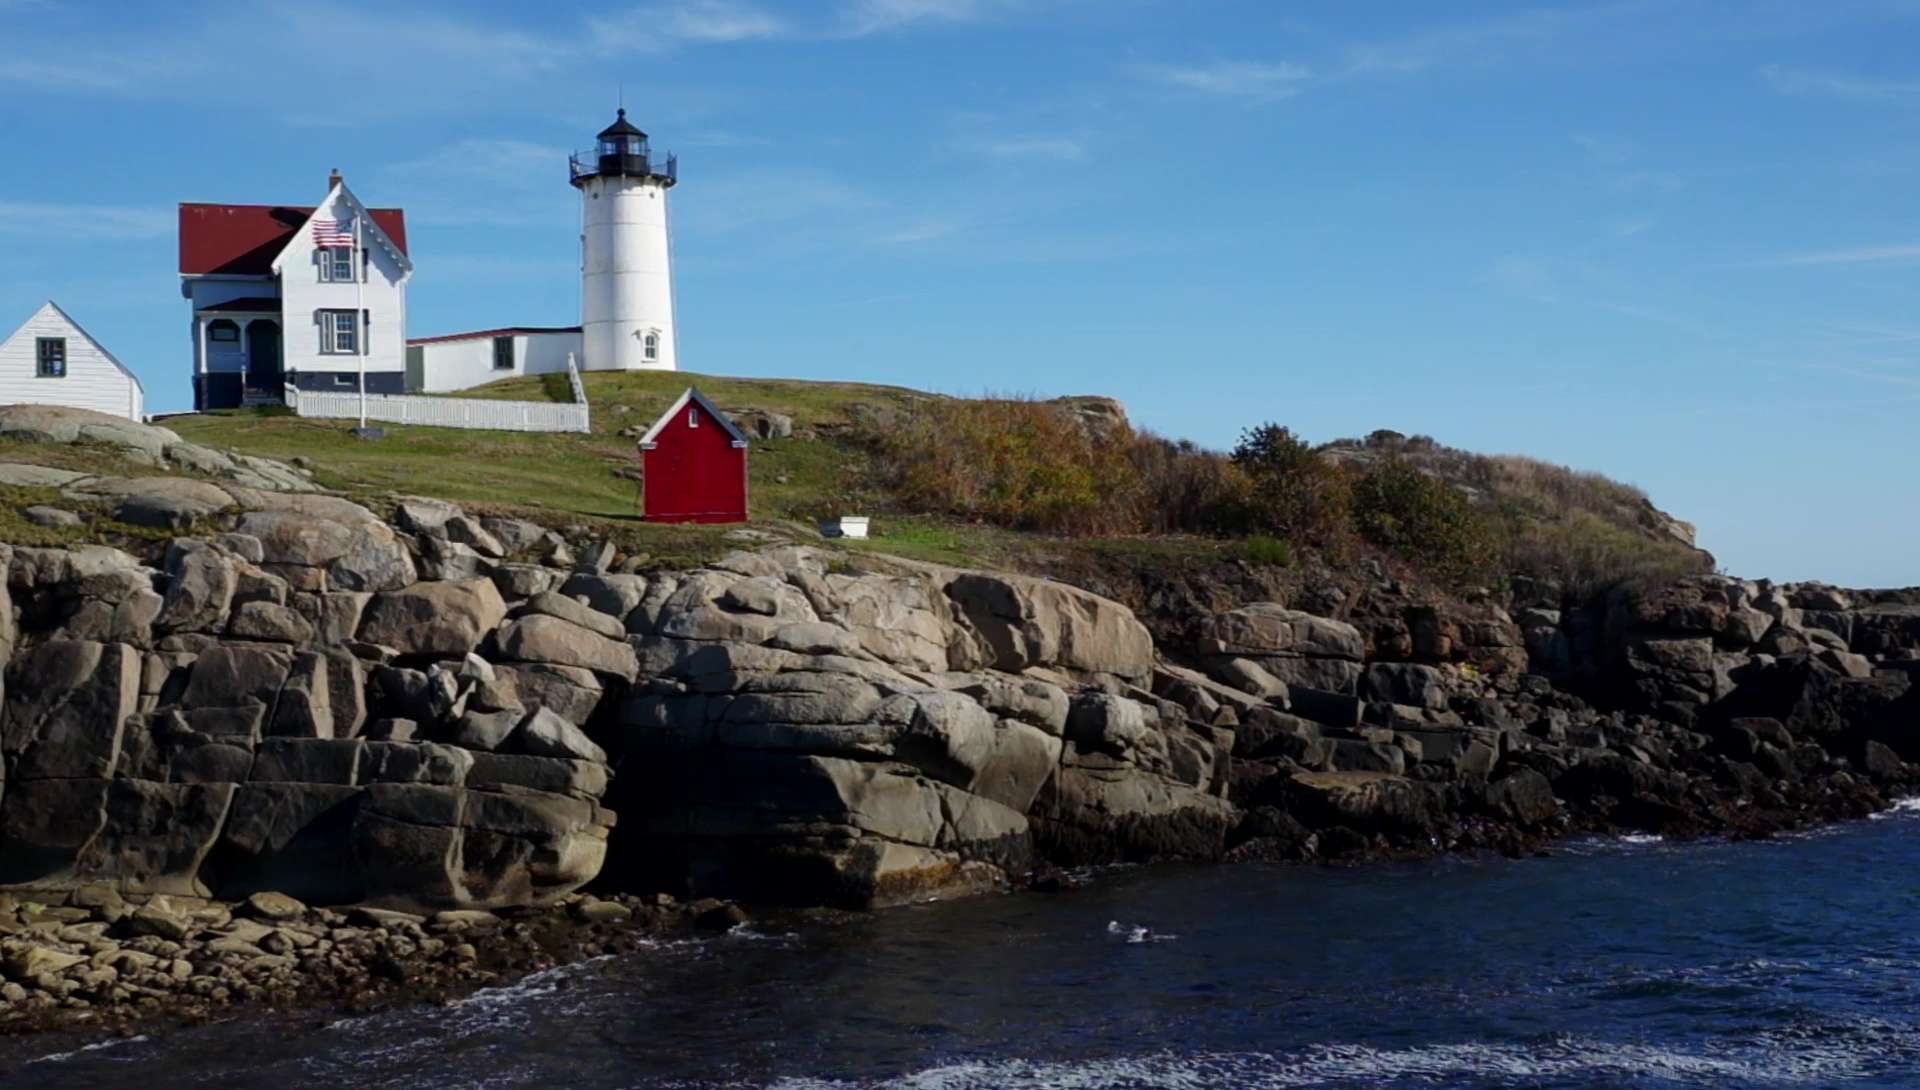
<point>332,233</point>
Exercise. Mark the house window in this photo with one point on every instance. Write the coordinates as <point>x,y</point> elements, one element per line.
<point>336,264</point>
<point>50,355</point>
<point>343,380</point>
<point>339,333</point>
<point>503,353</point>
<point>650,346</point>
<point>223,329</point>
<point>693,417</point>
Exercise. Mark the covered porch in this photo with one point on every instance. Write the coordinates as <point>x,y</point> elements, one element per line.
<point>240,348</point>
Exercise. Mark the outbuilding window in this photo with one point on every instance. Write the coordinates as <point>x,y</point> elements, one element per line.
<point>650,345</point>
<point>503,353</point>
<point>339,333</point>
<point>50,357</point>
<point>693,417</point>
<point>223,329</point>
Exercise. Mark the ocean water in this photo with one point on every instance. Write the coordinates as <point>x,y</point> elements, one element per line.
<point>1787,963</point>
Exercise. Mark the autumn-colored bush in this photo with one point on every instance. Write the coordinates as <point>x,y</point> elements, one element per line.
<point>1180,488</point>
<point>1458,517</point>
<point>1010,462</point>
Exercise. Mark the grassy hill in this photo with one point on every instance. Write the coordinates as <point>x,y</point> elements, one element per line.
<point>1050,487</point>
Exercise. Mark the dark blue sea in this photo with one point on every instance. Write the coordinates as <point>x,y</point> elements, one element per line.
<point>1793,962</point>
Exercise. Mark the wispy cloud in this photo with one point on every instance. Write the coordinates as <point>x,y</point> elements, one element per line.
<point>1823,83</point>
<point>1239,79</point>
<point>862,17</point>
<point>923,231</point>
<point>1037,147</point>
<point>665,23</point>
<point>1857,255</point>
<point>84,221</point>
<point>721,138</point>
<point>656,26</point>
<point>1480,41</point>
<point>507,162</point>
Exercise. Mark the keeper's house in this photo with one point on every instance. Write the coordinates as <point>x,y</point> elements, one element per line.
<point>309,296</point>
<point>52,361</point>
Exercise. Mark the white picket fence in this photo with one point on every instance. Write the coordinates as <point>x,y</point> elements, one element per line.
<point>449,412</point>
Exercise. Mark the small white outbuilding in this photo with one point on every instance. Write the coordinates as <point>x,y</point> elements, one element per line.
<point>50,360</point>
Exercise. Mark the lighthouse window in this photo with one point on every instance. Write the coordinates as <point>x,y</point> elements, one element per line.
<point>650,346</point>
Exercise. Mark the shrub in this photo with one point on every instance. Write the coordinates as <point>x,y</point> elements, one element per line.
<point>1010,462</point>
<point>1582,554</point>
<point>1180,488</point>
<point>1293,492</point>
<point>1261,549</point>
<point>1427,521</point>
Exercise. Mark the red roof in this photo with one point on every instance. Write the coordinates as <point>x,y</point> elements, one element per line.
<point>501,332</point>
<point>243,239</point>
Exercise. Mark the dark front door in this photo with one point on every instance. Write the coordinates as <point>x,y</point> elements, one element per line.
<point>266,374</point>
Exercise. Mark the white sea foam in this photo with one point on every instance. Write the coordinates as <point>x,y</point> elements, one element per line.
<point>1908,805</point>
<point>97,1046</point>
<point>746,933</point>
<point>1641,838</point>
<point>1791,1063</point>
<point>1137,933</point>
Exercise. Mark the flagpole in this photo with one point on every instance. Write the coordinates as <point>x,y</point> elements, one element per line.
<point>359,317</point>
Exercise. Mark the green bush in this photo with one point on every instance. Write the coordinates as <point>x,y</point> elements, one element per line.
<point>1427,521</point>
<point>1261,549</point>
<point>1292,491</point>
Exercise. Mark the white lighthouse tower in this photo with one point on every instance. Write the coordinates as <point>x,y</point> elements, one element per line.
<point>626,282</point>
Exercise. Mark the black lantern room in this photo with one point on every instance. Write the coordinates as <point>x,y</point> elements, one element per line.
<point>621,151</point>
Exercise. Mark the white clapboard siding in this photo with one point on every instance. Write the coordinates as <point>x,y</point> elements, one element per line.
<point>442,412</point>
<point>94,379</point>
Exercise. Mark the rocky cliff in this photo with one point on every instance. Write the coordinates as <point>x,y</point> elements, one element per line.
<point>424,709</point>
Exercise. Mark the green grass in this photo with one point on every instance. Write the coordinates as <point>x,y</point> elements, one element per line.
<point>644,395</point>
<point>563,480</point>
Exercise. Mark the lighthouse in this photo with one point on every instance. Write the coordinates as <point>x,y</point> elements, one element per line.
<point>626,277</point>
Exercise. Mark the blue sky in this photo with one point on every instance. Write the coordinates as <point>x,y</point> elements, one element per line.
<point>1674,242</point>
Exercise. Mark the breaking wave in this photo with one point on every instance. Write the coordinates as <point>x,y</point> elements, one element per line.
<point>1799,1060</point>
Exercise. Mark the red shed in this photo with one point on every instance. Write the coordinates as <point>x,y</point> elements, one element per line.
<point>693,464</point>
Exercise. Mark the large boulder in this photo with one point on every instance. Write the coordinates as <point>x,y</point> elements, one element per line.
<point>1026,623</point>
<point>442,619</point>
<point>66,704</point>
<point>1265,643</point>
<point>200,588</point>
<point>167,503</point>
<point>539,637</point>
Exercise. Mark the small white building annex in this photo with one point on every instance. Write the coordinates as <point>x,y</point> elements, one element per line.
<point>52,361</point>
<point>463,360</point>
<point>626,281</point>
